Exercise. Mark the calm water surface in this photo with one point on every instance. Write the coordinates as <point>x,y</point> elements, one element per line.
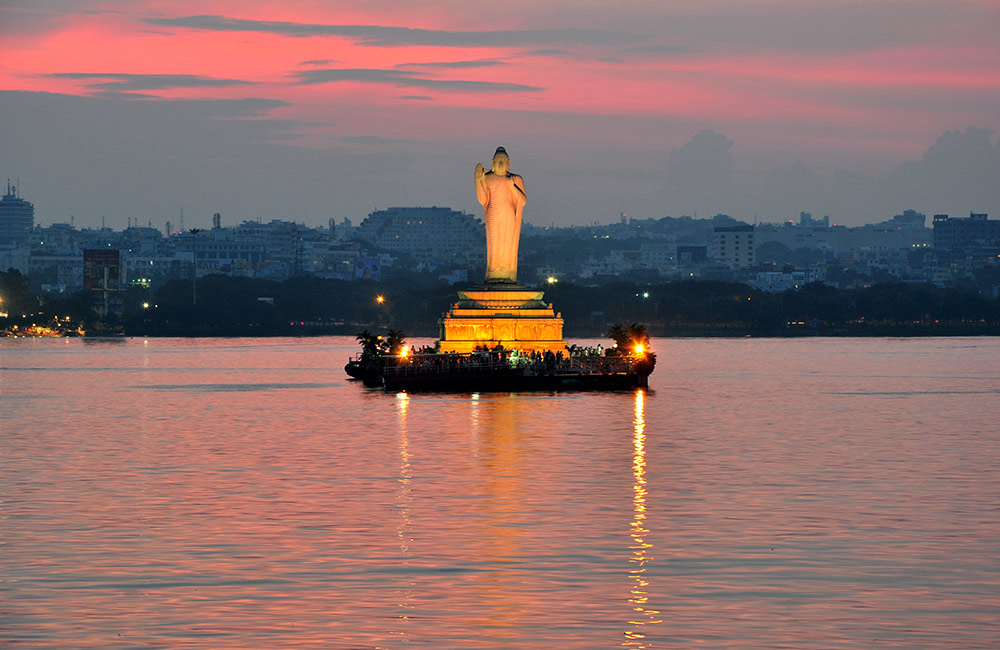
<point>242,493</point>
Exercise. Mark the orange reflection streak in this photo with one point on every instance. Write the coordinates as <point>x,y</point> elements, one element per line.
<point>500,538</point>
<point>641,615</point>
<point>404,594</point>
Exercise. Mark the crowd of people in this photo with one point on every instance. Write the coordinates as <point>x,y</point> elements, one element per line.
<point>581,358</point>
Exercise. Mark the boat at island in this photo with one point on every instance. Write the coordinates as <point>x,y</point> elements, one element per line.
<point>497,370</point>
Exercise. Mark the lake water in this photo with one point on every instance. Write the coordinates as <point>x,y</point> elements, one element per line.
<point>242,493</point>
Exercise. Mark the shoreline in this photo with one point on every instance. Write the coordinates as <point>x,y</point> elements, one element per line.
<point>866,331</point>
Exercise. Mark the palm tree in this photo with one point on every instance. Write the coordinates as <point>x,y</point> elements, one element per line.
<point>371,345</point>
<point>394,341</point>
<point>627,337</point>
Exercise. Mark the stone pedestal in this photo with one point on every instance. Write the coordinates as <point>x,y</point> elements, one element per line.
<point>507,314</point>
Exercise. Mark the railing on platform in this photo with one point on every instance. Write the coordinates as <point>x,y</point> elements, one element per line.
<point>485,362</point>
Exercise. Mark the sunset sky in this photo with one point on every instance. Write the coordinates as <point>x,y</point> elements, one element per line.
<point>307,111</point>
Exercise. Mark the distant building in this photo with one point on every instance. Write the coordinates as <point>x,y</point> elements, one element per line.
<point>660,255</point>
<point>778,281</point>
<point>971,241</point>
<point>691,254</point>
<point>15,257</point>
<point>17,217</point>
<point>734,246</point>
<point>806,221</point>
<point>904,232</point>
<point>280,241</point>
<point>218,251</point>
<point>59,238</point>
<point>910,219</point>
<point>139,240</point>
<point>432,236</point>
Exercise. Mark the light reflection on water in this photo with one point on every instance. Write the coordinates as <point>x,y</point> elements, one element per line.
<point>405,589</point>
<point>243,494</point>
<point>643,614</point>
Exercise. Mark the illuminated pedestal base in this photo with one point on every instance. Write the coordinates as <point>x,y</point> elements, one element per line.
<point>510,315</point>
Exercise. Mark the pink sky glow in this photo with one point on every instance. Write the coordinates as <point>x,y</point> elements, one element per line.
<point>856,85</point>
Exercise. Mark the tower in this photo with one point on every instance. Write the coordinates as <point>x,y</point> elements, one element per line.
<point>17,217</point>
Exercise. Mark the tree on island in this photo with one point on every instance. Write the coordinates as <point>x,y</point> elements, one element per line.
<point>374,346</point>
<point>627,337</point>
<point>371,345</point>
<point>394,341</point>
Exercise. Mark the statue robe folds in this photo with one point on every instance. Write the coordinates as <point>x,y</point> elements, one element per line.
<point>503,199</point>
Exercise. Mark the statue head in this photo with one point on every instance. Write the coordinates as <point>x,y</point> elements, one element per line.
<point>501,160</point>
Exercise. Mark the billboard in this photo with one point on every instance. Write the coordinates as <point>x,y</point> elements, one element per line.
<point>368,268</point>
<point>102,269</point>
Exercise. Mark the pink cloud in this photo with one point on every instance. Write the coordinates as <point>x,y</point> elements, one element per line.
<point>823,95</point>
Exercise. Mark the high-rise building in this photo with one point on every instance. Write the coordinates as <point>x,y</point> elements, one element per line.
<point>972,241</point>
<point>17,217</point>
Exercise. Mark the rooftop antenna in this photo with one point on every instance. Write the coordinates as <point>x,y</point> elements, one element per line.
<point>182,219</point>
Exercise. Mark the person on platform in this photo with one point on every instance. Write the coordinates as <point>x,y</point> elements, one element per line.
<point>502,196</point>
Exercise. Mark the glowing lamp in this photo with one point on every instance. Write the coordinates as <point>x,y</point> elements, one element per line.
<point>380,299</point>
<point>639,349</point>
<point>404,351</point>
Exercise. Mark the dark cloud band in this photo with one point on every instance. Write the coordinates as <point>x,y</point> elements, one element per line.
<point>385,36</point>
<point>124,82</point>
<point>407,79</point>
<point>453,65</point>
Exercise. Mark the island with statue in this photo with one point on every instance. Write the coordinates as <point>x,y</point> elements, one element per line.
<point>502,335</point>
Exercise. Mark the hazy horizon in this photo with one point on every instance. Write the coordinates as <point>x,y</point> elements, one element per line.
<point>307,111</point>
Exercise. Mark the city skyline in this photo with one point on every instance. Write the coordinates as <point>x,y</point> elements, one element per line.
<point>310,111</point>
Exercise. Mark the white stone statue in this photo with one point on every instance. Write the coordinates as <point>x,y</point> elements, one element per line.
<point>502,197</point>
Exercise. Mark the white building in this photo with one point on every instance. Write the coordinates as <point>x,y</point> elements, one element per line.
<point>734,246</point>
